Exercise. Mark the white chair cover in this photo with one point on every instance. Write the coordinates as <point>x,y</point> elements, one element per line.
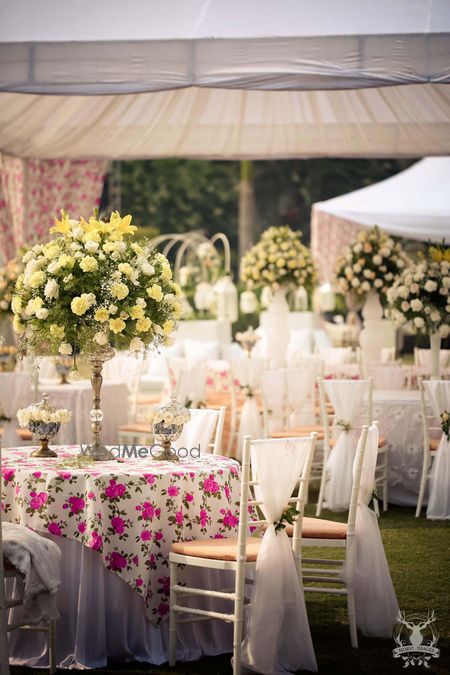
<point>438,392</point>
<point>15,393</point>
<point>346,396</point>
<point>422,358</point>
<point>366,569</point>
<point>387,377</point>
<point>278,638</point>
<point>300,396</point>
<point>198,432</point>
<point>246,372</point>
<point>334,355</point>
<point>273,390</point>
<point>190,381</point>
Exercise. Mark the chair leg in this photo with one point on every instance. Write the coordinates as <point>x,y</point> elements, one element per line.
<point>385,490</point>
<point>172,615</point>
<point>352,619</point>
<point>52,646</point>
<point>321,492</point>
<point>376,507</point>
<point>4,647</point>
<point>423,482</point>
<point>237,645</point>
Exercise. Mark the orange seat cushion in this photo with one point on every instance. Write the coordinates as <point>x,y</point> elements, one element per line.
<point>318,528</point>
<point>217,549</point>
<point>434,443</point>
<point>299,431</point>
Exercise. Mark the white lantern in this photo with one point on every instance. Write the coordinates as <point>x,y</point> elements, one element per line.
<point>266,296</point>
<point>326,298</point>
<point>226,299</point>
<point>248,302</point>
<point>203,296</point>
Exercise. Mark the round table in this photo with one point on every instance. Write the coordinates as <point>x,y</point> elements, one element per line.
<point>120,519</point>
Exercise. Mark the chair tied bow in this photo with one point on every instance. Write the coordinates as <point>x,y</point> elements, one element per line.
<point>345,426</point>
<point>445,423</point>
<point>288,516</point>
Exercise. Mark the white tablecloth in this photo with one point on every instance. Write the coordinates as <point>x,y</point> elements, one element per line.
<point>400,417</point>
<point>77,397</point>
<point>103,618</point>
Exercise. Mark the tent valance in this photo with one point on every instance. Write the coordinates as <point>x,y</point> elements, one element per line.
<point>117,47</point>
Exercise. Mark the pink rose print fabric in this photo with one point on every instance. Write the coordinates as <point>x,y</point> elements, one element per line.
<point>129,511</point>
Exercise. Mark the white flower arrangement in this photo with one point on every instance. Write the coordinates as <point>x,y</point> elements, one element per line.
<point>420,298</point>
<point>159,415</point>
<point>372,262</point>
<point>279,260</point>
<point>36,414</point>
<point>94,286</point>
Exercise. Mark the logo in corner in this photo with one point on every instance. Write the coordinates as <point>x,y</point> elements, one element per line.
<point>416,637</point>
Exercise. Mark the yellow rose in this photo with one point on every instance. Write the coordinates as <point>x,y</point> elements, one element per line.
<point>89,264</point>
<point>281,262</point>
<point>50,252</point>
<point>168,326</point>
<point>36,279</point>
<point>137,312</point>
<point>101,314</point>
<point>16,304</point>
<point>126,269</point>
<point>292,264</point>
<point>57,331</point>
<point>18,326</point>
<point>166,272</point>
<point>155,292</point>
<point>66,261</point>
<point>116,325</point>
<point>143,325</point>
<point>119,290</point>
<point>79,305</point>
<point>137,249</point>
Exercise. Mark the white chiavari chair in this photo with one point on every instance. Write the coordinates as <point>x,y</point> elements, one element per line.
<point>431,435</point>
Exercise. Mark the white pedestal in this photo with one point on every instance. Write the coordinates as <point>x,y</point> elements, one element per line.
<point>296,320</point>
<point>204,331</point>
<point>377,333</point>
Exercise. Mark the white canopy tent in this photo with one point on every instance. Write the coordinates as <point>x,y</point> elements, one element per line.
<point>214,79</point>
<point>414,204</point>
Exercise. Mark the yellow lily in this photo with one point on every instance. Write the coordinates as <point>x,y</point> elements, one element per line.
<point>63,226</point>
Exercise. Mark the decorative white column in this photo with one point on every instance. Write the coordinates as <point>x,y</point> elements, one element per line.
<point>277,328</point>
<point>435,346</point>
<point>377,333</point>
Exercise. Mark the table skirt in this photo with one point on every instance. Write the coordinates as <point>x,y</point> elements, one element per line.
<point>102,619</point>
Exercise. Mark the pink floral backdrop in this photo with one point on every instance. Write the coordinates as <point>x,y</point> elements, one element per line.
<point>33,192</point>
<point>329,235</point>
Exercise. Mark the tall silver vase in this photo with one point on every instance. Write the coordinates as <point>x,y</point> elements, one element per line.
<point>96,450</point>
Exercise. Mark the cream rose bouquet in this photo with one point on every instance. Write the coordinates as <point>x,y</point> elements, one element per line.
<point>372,261</point>
<point>278,260</point>
<point>91,286</point>
<point>38,414</point>
<point>9,274</point>
<point>420,298</point>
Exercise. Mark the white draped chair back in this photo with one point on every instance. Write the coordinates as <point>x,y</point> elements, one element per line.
<point>336,354</point>
<point>273,394</point>
<point>278,638</point>
<point>366,570</point>
<point>422,358</point>
<point>188,381</point>
<point>352,404</point>
<point>204,431</point>
<point>438,394</point>
<point>386,375</point>
<point>288,398</point>
<point>247,373</point>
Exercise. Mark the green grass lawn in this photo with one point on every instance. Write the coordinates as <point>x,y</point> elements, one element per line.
<point>418,552</point>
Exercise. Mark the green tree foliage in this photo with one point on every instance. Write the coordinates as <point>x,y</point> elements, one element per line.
<point>177,195</point>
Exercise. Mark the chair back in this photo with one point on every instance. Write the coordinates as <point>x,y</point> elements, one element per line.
<point>288,397</point>
<point>204,430</point>
<point>188,381</point>
<point>358,463</point>
<point>422,358</point>
<point>386,375</point>
<point>432,407</point>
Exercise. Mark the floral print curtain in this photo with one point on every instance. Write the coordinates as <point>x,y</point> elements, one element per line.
<point>33,192</point>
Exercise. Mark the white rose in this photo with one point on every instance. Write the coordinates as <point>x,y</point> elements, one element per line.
<point>365,286</point>
<point>112,309</point>
<point>147,269</point>
<point>389,276</point>
<point>53,267</point>
<point>435,316</point>
<point>419,322</point>
<point>357,248</point>
<point>115,255</point>
<point>91,246</point>
<point>101,338</point>
<point>377,259</point>
<point>430,286</point>
<point>136,344</point>
<point>357,268</point>
<point>402,292</point>
<point>378,283</point>
<point>416,305</point>
<point>51,289</point>
<point>355,282</point>
<point>405,306</point>
<point>42,313</point>
<point>65,348</point>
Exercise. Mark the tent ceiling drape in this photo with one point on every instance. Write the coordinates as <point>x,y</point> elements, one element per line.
<point>404,121</point>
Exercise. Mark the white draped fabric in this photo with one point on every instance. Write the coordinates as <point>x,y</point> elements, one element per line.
<point>438,392</point>
<point>346,397</point>
<point>198,432</point>
<point>246,371</point>
<point>273,391</point>
<point>366,569</point>
<point>278,638</point>
<point>15,393</point>
<point>299,391</point>
<point>387,377</point>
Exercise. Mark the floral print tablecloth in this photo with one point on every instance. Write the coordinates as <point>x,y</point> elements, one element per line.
<point>130,511</point>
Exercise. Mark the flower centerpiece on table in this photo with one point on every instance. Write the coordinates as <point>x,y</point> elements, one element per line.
<point>419,300</point>
<point>91,288</point>
<point>279,260</point>
<point>44,422</point>
<point>372,262</point>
